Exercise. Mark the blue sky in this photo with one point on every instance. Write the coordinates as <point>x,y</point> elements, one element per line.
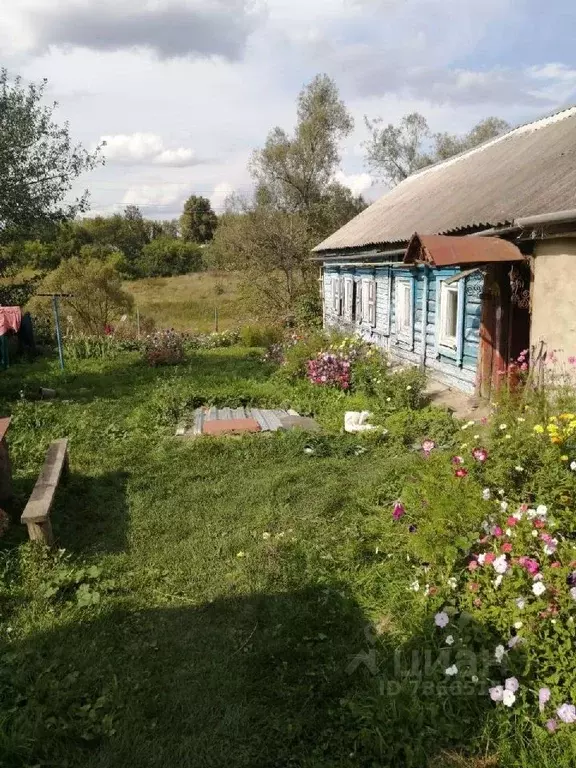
<point>184,90</point>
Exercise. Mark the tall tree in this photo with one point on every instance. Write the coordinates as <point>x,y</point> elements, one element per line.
<point>198,221</point>
<point>394,152</point>
<point>38,161</point>
<point>296,204</point>
<point>294,171</point>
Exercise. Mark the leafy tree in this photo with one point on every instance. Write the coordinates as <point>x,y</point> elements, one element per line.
<point>394,152</point>
<point>96,295</point>
<point>165,256</point>
<point>271,249</point>
<point>198,221</point>
<point>296,204</point>
<point>293,172</point>
<point>38,161</point>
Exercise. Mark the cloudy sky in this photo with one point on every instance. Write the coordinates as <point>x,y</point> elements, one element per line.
<point>183,90</point>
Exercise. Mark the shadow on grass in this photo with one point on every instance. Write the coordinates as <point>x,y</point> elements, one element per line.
<point>266,681</point>
<point>89,513</point>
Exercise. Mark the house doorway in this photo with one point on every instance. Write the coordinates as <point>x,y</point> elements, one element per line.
<point>505,326</point>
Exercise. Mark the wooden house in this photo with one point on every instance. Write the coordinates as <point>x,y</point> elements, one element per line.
<point>458,267</point>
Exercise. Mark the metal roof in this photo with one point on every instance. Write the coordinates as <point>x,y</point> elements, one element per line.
<point>530,170</point>
<point>443,250</point>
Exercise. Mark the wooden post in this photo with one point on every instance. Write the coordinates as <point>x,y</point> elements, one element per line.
<point>58,333</point>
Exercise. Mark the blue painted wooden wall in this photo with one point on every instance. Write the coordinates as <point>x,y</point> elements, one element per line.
<point>455,367</point>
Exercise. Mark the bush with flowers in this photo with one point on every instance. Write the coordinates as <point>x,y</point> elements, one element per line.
<point>164,348</point>
<point>493,529</point>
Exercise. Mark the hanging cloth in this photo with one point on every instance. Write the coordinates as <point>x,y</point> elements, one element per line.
<point>10,319</point>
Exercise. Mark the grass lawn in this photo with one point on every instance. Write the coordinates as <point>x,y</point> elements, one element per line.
<point>213,595</point>
<point>188,302</point>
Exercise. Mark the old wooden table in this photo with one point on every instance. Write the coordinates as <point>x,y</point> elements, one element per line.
<point>5,466</point>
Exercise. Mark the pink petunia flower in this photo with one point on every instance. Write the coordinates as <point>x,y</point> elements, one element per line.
<point>551,725</point>
<point>472,565</point>
<point>428,446</point>
<point>457,460</point>
<point>399,510</point>
<point>461,472</point>
<point>506,547</point>
<point>480,454</point>
<point>490,557</point>
<point>497,531</point>
<point>543,698</point>
<point>511,521</point>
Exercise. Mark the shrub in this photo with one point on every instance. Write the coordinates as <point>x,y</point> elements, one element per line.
<point>260,335</point>
<point>329,370</point>
<point>164,348</point>
<point>166,256</point>
<point>95,297</point>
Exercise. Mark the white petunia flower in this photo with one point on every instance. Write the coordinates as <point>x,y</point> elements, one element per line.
<point>451,671</point>
<point>415,586</point>
<point>499,653</point>
<point>503,506</point>
<point>573,593</point>
<point>538,588</point>
<point>481,559</point>
<point>441,619</point>
<point>500,564</point>
<point>497,581</point>
<point>573,466</point>
<point>535,533</point>
<point>486,494</point>
<point>541,510</point>
<point>508,532</point>
<point>474,678</point>
<point>452,582</point>
<point>521,603</point>
<point>508,698</point>
<point>503,427</point>
<point>518,625</point>
<point>497,692</point>
<point>450,640</point>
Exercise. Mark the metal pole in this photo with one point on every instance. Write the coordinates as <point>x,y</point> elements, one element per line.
<point>58,334</point>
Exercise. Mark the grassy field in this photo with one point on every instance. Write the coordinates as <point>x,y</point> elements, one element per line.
<point>233,603</point>
<point>188,302</point>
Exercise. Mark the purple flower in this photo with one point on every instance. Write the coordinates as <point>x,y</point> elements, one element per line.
<point>543,698</point>
<point>399,510</point>
<point>571,579</point>
<point>496,693</point>
<point>412,529</point>
<point>567,713</point>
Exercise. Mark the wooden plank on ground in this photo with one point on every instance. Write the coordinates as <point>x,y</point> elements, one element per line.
<point>36,515</point>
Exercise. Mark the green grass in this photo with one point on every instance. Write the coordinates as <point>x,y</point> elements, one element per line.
<point>212,593</point>
<point>188,302</point>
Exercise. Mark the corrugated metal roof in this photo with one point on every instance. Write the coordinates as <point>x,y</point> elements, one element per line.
<point>444,251</point>
<point>528,171</point>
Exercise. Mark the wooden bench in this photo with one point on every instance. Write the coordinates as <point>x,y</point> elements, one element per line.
<point>36,515</point>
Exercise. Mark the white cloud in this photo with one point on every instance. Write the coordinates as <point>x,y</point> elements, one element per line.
<point>145,149</point>
<point>219,195</point>
<point>357,183</point>
<point>157,196</point>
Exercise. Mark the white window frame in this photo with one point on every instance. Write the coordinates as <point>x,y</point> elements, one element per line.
<point>371,302</point>
<point>336,304</point>
<point>446,339</point>
<point>348,294</point>
<point>404,309</point>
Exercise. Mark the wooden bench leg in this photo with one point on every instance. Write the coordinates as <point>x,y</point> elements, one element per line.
<point>5,472</point>
<point>41,532</point>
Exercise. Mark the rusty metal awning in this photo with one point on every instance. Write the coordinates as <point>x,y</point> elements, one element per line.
<point>446,251</point>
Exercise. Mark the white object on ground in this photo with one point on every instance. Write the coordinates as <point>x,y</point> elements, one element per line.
<point>357,421</point>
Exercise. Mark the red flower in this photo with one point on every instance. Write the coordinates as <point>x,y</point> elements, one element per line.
<point>507,547</point>
<point>490,557</point>
<point>556,564</point>
<point>511,521</point>
<point>461,472</point>
<point>539,523</point>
